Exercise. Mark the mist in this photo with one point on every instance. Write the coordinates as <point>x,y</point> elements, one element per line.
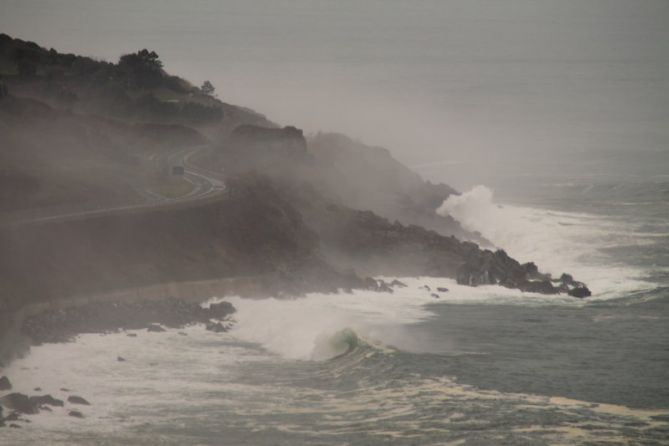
<point>522,85</point>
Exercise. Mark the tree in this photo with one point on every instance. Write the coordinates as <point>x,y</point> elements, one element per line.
<point>142,68</point>
<point>207,88</point>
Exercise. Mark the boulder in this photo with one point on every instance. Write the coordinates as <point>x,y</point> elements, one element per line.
<point>76,414</point>
<point>120,359</point>
<point>4,383</point>
<point>580,292</point>
<point>77,400</point>
<point>435,295</point>
<point>442,289</point>
<point>398,284</point>
<point>20,403</point>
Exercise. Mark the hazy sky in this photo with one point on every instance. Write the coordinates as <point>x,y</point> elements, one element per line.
<point>444,81</point>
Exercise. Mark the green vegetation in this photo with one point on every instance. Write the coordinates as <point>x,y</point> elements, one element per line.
<point>135,88</point>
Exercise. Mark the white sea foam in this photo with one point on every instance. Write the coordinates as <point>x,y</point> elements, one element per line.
<point>556,241</point>
<point>311,327</point>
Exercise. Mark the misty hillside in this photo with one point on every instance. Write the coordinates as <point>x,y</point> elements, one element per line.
<point>129,176</point>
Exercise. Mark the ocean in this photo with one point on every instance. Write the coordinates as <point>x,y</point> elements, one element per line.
<point>477,366</point>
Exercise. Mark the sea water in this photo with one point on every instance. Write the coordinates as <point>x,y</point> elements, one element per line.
<point>475,366</point>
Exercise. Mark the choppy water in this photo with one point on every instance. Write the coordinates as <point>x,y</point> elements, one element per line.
<point>480,366</point>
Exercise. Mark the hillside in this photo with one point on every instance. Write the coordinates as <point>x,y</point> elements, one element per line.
<point>315,214</point>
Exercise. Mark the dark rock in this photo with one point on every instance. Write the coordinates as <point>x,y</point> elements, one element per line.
<point>120,359</point>
<point>530,268</point>
<point>47,400</point>
<point>567,279</point>
<point>427,288</point>
<point>442,289</point>
<point>76,414</point>
<point>435,295</point>
<point>580,292</point>
<point>220,310</point>
<point>5,384</point>
<point>398,283</point>
<point>155,328</point>
<point>15,426</point>
<point>77,400</point>
<point>64,389</point>
<point>216,327</point>
<point>20,403</point>
<point>37,389</point>
<point>543,286</point>
<point>132,335</point>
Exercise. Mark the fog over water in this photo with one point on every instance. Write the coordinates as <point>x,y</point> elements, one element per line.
<point>523,84</point>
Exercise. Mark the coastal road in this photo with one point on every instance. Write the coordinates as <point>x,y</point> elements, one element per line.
<point>205,183</point>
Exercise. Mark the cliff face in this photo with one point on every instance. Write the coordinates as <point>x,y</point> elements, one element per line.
<point>315,215</point>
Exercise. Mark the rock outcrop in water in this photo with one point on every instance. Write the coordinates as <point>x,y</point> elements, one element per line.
<point>497,268</point>
<point>100,317</point>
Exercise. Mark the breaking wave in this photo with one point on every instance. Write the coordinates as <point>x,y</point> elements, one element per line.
<point>556,241</point>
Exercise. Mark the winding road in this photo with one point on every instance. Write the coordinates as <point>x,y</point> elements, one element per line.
<point>206,184</point>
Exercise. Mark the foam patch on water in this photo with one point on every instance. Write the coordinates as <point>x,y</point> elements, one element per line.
<point>556,241</point>
<point>309,328</point>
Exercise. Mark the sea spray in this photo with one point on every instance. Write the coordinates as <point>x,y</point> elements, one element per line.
<point>556,241</point>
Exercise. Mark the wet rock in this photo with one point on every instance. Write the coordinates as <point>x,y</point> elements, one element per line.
<point>435,295</point>
<point>216,327</point>
<point>442,289</point>
<point>155,328</point>
<point>47,400</point>
<point>74,399</point>
<point>5,384</point>
<point>580,292</point>
<point>103,317</point>
<point>37,389</point>
<point>15,426</point>
<point>64,389</point>
<point>76,414</point>
<point>567,279</point>
<point>426,288</point>
<point>20,403</point>
<point>120,359</point>
<point>544,287</point>
<point>398,283</point>
<point>132,335</point>
<point>220,310</point>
